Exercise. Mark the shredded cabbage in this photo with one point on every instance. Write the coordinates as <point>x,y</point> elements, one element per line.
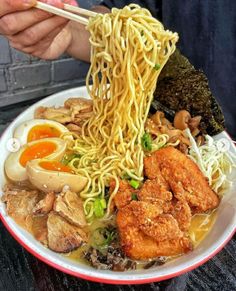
<point>214,160</point>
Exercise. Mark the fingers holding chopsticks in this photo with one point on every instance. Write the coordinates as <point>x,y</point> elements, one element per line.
<point>30,29</point>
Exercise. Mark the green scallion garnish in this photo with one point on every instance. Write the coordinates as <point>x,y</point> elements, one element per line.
<point>157,67</point>
<point>134,196</point>
<point>134,183</point>
<point>99,207</point>
<point>146,142</point>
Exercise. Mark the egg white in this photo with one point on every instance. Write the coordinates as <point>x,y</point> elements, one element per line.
<point>22,131</point>
<point>47,180</point>
<point>16,172</point>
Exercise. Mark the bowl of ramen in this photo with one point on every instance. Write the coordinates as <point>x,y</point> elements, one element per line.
<point>107,184</point>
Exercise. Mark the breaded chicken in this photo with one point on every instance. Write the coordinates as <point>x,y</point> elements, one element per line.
<point>137,245</point>
<point>152,221</point>
<point>182,213</point>
<point>184,178</point>
<point>156,189</point>
<point>152,170</point>
<point>124,194</point>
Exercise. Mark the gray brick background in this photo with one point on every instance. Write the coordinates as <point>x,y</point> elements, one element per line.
<point>23,77</point>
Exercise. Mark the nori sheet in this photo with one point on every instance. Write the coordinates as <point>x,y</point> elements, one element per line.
<point>181,86</point>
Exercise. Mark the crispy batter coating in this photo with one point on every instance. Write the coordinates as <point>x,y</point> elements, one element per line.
<point>184,178</point>
<point>152,221</point>
<point>137,245</point>
<point>152,170</point>
<point>155,189</point>
<point>182,213</point>
<point>156,225</point>
<point>124,195</point>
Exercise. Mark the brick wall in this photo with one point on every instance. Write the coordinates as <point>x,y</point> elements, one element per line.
<point>23,77</point>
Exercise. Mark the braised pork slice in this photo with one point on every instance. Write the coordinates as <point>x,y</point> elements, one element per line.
<point>20,204</point>
<point>70,206</point>
<point>63,237</point>
<point>39,228</point>
<point>45,205</point>
<point>59,114</point>
<point>185,179</point>
<point>140,246</point>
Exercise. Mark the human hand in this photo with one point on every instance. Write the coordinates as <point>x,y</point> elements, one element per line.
<point>33,31</point>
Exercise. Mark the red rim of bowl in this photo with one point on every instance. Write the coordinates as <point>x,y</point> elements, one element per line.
<point>112,281</point>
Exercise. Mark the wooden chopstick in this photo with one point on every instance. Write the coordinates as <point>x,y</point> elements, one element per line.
<point>61,12</point>
<point>79,10</point>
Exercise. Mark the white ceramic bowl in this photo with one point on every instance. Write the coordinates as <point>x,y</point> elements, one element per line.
<point>219,235</point>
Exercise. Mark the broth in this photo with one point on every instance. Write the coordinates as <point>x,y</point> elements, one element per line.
<point>201,224</point>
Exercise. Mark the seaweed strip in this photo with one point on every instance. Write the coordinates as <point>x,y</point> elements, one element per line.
<point>181,86</point>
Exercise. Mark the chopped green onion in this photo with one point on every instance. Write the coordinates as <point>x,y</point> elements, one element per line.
<point>69,157</point>
<point>125,176</point>
<point>157,67</point>
<point>134,196</point>
<point>146,142</point>
<point>134,184</point>
<point>142,32</point>
<point>103,203</point>
<point>103,237</point>
<point>99,206</point>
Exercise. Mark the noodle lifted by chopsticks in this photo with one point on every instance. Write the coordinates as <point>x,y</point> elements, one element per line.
<point>129,50</point>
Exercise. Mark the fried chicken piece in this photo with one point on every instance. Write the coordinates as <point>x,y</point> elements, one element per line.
<point>182,213</point>
<point>155,189</point>
<point>62,236</point>
<point>185,179</point>
<point>137,245</point>
<point>152,170</point>
<point>153,223</point>
<point>124,194</point>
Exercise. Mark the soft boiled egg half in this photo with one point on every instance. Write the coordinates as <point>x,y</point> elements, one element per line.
<point>50,148</point>
<point>35,129</point>
<point>50,175</point>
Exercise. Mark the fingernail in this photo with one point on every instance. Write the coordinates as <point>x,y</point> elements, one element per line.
<point>29,2</point>
<point>71,2</point>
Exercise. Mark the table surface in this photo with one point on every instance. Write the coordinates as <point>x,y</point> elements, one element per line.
<point>20,271</point>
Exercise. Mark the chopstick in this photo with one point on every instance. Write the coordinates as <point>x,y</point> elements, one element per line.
<point>66,14</point>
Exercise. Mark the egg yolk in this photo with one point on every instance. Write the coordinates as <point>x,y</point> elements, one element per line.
<point>42,131</point>
<point>55,166</point>
<point>36,151</point>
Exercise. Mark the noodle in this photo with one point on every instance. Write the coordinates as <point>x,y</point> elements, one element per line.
<point>129,49</point>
